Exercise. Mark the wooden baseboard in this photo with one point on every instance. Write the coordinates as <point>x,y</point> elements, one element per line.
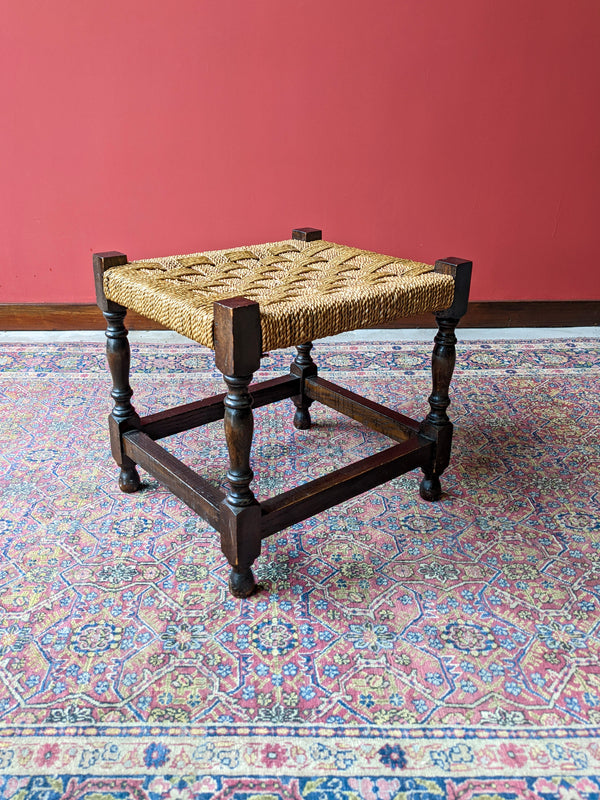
<point>526,314</point>
<point>64,317</point>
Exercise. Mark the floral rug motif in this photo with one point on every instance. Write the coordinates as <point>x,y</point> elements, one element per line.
<point>397,650</point>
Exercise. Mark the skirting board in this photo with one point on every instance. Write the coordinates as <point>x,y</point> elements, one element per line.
<point>526,314</point>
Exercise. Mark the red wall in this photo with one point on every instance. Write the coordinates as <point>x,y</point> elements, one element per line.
<point>417,128</point>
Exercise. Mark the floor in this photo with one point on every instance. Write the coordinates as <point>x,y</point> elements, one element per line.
<point>400,335</point>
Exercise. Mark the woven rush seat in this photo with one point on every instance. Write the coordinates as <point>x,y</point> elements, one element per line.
<point>305,290</point>
<point>242,303</point>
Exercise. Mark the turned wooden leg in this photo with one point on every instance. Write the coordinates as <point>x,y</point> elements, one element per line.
<point>123,417</point>
<point>303,366</point>
<point>240,509</point>
<point>437,422</point>
<point>237,355</point>
<point>437,425</point>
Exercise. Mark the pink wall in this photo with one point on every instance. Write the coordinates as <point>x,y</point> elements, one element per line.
<point>414,128</point>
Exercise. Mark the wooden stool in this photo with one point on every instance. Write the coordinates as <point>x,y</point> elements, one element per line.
<point>242,303</point>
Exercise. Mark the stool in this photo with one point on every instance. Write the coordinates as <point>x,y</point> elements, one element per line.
<point>243,303</point>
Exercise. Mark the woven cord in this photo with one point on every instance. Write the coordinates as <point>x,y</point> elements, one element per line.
<point>305,290</point>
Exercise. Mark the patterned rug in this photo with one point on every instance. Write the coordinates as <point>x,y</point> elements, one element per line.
<point>398,650</point>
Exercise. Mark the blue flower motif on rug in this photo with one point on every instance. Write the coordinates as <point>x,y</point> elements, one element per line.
<point>392,756</point>
<point>156,755</point>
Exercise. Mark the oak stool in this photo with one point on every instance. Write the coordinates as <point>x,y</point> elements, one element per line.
<point>243,303</point>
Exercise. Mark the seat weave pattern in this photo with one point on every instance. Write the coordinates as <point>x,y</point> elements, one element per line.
<point>305,290</point>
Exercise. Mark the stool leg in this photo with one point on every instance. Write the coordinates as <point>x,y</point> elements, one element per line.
<point>436,425</point>
<point>123,415</point>
<point>240,513</point>
<point>303,366</point>
<point>437,422</point>
<point>237,335</point>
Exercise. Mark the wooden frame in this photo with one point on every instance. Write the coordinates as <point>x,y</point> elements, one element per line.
<point>238,516</point>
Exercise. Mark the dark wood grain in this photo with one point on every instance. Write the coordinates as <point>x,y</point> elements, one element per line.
<point>103,262</point>
<point>193,415</point>
<point>118,355</point>
<point>516,314</point>
<point>317,495</point>
<point>437,425</point>
<point>237,336</point>
<point>497,314</point>
<point>195,491</point>
<point>460,269</point>
<point>303,367</point>
<point>240,514</point>
<point>123,415</point>
<point>373,415</point>
<point>63,317</point>
<point>239,428</point>
<point>307,234</point>
<point>240,542</point>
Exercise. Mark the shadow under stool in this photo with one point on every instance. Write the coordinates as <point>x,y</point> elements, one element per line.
<point>243,303</point>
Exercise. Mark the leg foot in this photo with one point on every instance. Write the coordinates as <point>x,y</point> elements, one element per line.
<point>430,489</point>
<point>242,584</point>
<point>129,480</point>
<point>302,420</point>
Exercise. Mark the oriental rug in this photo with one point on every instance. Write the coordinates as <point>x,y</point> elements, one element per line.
<point>397,650</point>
